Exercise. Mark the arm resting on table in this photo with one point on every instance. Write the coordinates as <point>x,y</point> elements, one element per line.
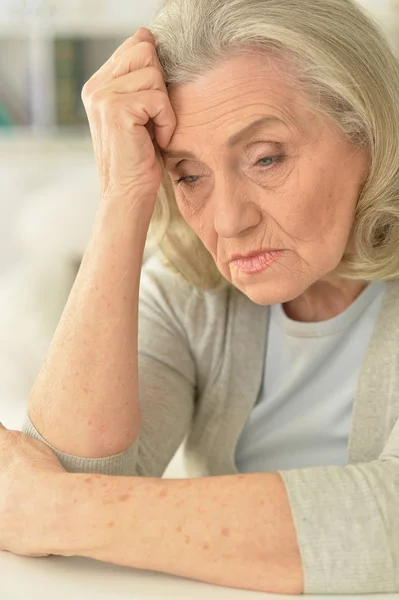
<point>235,531</point>
<point>329,530</point>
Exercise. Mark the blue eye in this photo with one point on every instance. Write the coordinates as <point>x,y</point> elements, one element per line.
<point>188,180</point>
<point>185,180</point>
<point>271,159</point>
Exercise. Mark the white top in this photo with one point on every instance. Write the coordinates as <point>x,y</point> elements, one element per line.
<point>304,412</point>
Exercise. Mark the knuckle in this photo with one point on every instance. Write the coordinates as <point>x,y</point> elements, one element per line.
<point>161,99</point>
<point>109,106</point>
<point>148,48</point>
<point>87,91</point>
<point>154,76</point>
<point>99,99</point>
<point>157,74</point>
<point>143,33</point>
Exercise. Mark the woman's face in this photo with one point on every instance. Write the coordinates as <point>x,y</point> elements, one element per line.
<point>290,182</point>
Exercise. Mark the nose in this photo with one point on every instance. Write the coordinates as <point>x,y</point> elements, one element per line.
<point>234,212</point>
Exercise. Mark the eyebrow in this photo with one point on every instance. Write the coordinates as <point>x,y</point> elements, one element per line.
<point>231,142</point>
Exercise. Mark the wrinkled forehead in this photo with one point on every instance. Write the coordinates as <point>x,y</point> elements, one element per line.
<point>235,93</point>
<point>234,82</point>
<point>215,108</point>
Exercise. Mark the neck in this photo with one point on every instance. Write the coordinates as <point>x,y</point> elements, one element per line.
<point>325,299</point>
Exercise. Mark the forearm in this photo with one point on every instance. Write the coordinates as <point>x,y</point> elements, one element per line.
<point>85,399</point>
<point>235,531</point>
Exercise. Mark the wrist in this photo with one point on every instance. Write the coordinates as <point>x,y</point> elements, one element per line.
<point>84,508</point>
<point>123,220</point>
<point>69,535</point>
<point>140,205</point>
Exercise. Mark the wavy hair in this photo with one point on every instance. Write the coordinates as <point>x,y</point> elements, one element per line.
<point>349,73</point>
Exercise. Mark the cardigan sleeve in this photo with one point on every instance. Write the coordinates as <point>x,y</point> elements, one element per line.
<point>347,523</point>
<point>167,380</point>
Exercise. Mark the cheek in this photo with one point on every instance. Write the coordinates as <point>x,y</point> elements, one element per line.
<point>306,208</point>
<point>321,222</point>
<point>195,216</point>
<point>189,210</point>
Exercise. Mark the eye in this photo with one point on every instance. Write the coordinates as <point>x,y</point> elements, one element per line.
<point>270,159</point>
<point>191,180</point>
<point>185,180</point>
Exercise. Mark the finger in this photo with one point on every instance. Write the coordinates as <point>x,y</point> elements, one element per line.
<point>143,79</point>
<point>142,35</point>
<point>142,55</point>
<point>146,105</point>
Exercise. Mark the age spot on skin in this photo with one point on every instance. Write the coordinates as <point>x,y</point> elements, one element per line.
<point>164,492</point>
<point>124,497</point>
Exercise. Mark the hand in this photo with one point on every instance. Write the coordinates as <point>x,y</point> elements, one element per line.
<point>29,472</point>
<point>120,101</point>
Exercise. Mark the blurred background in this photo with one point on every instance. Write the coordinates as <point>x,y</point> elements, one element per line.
<point>48,178</point>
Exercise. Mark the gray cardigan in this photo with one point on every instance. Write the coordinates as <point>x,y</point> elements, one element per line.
<point>201,361</point>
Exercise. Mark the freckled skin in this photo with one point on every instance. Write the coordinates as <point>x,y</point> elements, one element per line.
<point>124,497</point>
<point>304,204</point>
<point>164,492</point>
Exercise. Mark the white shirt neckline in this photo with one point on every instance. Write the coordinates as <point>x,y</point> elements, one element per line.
<point>331,326</point>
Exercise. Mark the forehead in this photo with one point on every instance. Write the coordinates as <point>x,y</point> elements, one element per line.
<point>236,91</point>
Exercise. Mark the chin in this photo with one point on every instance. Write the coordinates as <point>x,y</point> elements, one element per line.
<point>265,290</point>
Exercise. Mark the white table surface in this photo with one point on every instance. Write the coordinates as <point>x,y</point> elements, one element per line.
<point>59,578</point>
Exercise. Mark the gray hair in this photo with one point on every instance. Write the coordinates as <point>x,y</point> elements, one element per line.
<point>350,74</point>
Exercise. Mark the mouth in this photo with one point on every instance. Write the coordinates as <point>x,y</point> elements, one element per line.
<point>257,263</point>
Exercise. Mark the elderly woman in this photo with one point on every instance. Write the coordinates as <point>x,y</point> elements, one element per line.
<point>259,139</point>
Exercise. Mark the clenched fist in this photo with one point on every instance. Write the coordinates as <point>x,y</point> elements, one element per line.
<point>129,113</point>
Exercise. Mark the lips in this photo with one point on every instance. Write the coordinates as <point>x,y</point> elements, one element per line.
<point>257,262</point>
<point>256,253</point>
